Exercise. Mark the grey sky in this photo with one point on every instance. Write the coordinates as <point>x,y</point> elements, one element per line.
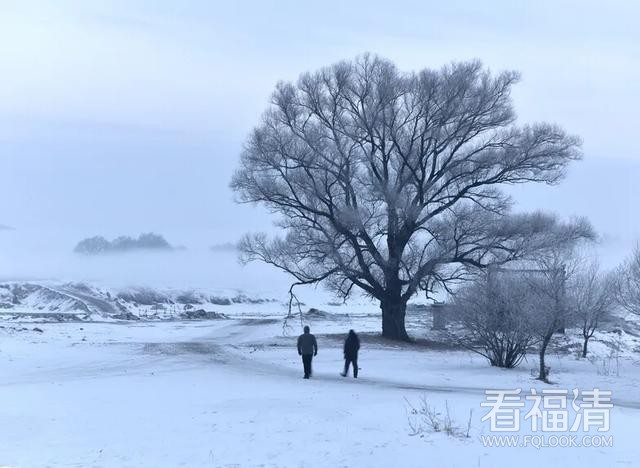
<point>119,117</point>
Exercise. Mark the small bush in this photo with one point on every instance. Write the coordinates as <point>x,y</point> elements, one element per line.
<point>426,418</point>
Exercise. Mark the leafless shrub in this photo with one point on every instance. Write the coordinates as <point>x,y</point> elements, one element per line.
<point>423,418</point>
<point>627,283</point>
<point>467,433</point>
<point>591,297</point>
<point>609,365</point>
<point>495,317</point>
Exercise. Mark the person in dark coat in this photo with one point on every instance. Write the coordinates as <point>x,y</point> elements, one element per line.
<point>351,347</point>
<point>307,348</point>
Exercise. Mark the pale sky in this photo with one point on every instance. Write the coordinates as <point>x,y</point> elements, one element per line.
<point>120,117</point>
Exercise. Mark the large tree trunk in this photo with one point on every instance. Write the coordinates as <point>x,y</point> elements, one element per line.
<point>393,313</point>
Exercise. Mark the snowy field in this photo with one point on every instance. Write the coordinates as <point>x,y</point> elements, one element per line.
<point>230,393</point>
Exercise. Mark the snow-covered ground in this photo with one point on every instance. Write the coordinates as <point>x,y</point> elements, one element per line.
<point>229,393</point>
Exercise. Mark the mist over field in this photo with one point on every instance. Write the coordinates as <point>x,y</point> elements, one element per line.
<point>604,190</point>
<point>28,256</point>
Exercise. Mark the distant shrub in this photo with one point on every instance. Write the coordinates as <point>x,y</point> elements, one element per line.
<point>99,245</point>
<point>144,296</point>
<point>188,297</point>
<point>226,247</point>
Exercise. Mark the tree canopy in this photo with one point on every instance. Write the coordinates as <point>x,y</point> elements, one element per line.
<point>389,181</point>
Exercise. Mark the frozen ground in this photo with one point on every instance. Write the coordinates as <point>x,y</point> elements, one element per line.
<point>230,393</point>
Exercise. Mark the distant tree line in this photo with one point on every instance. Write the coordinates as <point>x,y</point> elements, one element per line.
<point>99,245</point>
<point>225,247</point>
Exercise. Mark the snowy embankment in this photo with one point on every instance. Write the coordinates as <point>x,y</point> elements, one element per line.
<point>230,393</point>
<point>73,301</point>
<point>54,301</point>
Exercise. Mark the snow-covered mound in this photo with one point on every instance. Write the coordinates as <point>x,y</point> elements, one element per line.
<point>40,301</point>
<point>82,301</point>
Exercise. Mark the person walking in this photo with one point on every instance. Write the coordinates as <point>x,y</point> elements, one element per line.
<point>307,348</point>
<point>351,348</point>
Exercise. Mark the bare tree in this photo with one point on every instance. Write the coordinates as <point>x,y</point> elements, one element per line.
<point>549,289</point>
<point>591,297</point>
<point>627,283</point>
<point>389,181</point>
<point>496,318</point>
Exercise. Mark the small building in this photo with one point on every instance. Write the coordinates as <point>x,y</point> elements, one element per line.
<point>441,314</point>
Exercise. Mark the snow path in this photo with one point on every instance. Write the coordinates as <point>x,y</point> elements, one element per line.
<point>223,347</point>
